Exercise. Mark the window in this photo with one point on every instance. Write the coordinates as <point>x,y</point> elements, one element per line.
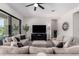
<point>9,25</point>
<point>3,25</point>
<point>15,26</point>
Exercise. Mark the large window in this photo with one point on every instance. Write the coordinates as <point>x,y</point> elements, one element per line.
<point>15,26</point>
<point>9,25</point>
<point>3,25</point>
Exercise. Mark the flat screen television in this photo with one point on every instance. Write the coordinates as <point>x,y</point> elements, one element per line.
<point>39,28</point>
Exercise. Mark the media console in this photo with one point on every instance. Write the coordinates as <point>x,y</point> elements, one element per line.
<point>38,32</point>
<point>38,36</point>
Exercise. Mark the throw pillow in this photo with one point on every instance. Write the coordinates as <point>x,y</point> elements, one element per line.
<point>19,44</point>
<point>56,42</point>
<point>14,39</point>
<point>18,40</point>
<point>67,43</point>
<point>75,41</point>
<point>60,45</point>
<point>8,39</point>
<point>14,44</point>
<point>22,37</point>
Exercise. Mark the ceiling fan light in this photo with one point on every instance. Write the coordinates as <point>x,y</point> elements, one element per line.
<point>35,5</point>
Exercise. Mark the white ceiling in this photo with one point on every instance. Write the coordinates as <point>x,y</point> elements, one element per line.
<point>60,9</point>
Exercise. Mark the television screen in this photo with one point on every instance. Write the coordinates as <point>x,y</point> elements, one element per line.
<point>39,28</point>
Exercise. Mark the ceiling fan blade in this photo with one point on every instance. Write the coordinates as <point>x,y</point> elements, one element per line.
<point>29,5</point>
<point>41,6</point>
<point>34,8</point>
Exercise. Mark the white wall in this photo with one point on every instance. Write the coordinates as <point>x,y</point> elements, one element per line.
<point>8,9</point>
<point>38,21</point>
<point>68,17</point>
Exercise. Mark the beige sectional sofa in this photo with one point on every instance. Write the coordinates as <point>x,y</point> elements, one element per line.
<point>47,47</point>
<point>36,50</point>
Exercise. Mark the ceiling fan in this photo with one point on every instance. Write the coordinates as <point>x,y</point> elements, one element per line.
<point>36,5</point>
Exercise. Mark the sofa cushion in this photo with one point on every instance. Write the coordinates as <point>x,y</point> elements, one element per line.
<point>22,50</point>
<point>14,50</point>
<point>7,44</point>
<point>69,50</point>
<point>59,50</point>
<point>41,54</point>
<point>35,50</point>
<point>67,42</point>
<point>41,43</point>
<point>5,49</point>
<point>8,39</point>
<point>73,49</point>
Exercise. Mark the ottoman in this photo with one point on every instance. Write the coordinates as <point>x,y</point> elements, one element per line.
<point>35,50</point>
<point>42,43</point>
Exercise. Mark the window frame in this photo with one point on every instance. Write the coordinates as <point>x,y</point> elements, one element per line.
<point>10,22</point>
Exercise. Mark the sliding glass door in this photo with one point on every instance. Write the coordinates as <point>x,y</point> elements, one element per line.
<point>15,26</point>
<point>3,25</point>
<point>9,25</point>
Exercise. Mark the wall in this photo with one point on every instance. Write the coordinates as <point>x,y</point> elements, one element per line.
<point>8,9</point>
<point>68,17</point>
<point>38,21</point>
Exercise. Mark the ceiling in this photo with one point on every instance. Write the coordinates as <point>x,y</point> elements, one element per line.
<point>60,9</point>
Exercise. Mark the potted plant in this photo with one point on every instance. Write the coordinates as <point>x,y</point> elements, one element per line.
<point>26,28</point>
